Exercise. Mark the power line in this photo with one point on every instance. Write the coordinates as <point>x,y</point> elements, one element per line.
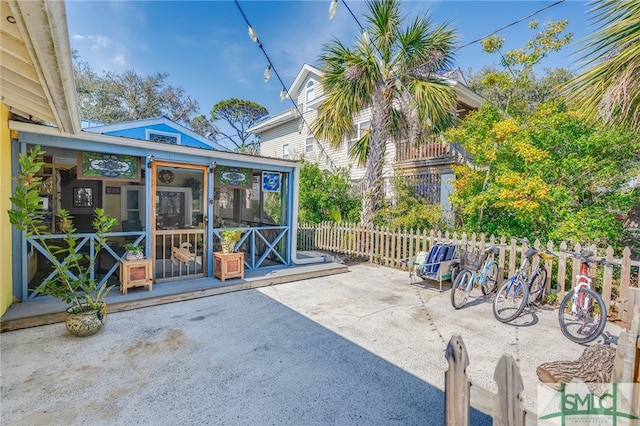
<point>509,25</point>
<point>254,37</point>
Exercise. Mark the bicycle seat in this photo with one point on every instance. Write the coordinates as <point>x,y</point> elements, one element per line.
<point>546,255</point>
<point>493,250</point>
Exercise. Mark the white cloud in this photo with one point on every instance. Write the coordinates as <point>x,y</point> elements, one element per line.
<point>120,61</point>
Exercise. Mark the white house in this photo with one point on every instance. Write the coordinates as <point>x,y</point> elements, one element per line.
<point>288,135</point>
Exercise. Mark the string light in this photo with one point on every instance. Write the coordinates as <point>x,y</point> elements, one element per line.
<point>252,34</point>
<point>365,37</point>
<point>333,7</point>
<point>267,73</point>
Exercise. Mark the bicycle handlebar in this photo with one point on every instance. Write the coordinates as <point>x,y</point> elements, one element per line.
<point>586,256</point>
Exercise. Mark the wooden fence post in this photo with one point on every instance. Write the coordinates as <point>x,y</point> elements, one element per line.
<point>507,405</point>
<point>457,396</point>
<point>625,279</point>
<point>562,271</point>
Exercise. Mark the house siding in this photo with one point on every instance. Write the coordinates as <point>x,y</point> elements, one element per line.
<point>326,156</point>
<point>140,133</point>
<point>6,253</point>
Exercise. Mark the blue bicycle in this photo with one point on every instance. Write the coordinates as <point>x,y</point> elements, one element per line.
<point>522,289</point>
<point>476,268</point>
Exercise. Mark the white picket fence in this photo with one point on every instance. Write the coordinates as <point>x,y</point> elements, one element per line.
<point>383,246</point>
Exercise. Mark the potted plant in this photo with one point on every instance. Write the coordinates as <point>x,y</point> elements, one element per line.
<point>72,282</point>
<point>134,251</point>
<point>228,239</point>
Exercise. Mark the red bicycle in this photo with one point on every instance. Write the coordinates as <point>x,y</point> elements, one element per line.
<point>583,313</point>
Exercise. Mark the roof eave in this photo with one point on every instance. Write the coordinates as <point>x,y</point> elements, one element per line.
<point>43,27</point>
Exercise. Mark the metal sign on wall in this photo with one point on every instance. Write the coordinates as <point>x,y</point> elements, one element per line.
<point>271,181</point>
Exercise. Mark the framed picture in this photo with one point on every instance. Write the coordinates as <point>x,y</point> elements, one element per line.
<point>270,182</point>
<point>82,197</point>
<point>112,190</point>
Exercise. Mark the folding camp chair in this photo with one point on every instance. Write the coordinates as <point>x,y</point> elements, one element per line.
<point>436,264</point>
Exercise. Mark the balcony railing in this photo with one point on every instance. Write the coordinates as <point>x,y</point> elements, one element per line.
<point>409,151</point>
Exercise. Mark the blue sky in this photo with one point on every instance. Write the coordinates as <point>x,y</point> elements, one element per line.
<point>204,47</point>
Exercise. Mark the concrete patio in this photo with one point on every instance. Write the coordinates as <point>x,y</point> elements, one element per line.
<point>363,347</point>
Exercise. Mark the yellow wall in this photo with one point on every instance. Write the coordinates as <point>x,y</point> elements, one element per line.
<point>6,281</point>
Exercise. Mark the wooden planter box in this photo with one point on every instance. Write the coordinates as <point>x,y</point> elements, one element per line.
<point>135,273</point>
<point>228,265</point>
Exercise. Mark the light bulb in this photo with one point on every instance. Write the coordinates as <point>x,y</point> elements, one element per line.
<point>333,7</point>
<point>267,73</point>
<point>365,37</point>
<point>252,34</point>
<point>283,94</point>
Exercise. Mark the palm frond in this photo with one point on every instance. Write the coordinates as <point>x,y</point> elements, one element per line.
<point>610,88</point>
<point>435,100</point>
<point>359,151</point>
<point>384,17</point>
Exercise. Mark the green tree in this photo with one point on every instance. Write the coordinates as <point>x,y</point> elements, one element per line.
<point>409,211</point>
<point>553,176</point>
<point>112,97</point>
<point>394,70</point>
<point>513,86</point>
<point>240,115</point>
<point>201,125</point>
<point>326,196</point>
<point>609,88</point>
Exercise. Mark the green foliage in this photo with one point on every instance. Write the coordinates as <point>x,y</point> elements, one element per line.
<point>326,196</point>
<point>393,73</point>
<point>113,97</point>
<point>609,89</point>
<point>514,87</point>
<point>230,235</point>
<point>134,248</point>
<point>409,212</point>
<point>72,280</point>
<point>549,175</point>
<point>240,115</point>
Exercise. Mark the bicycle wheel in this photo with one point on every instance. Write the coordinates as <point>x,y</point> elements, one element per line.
<point>491,279</point>
<point>536,285</point>
<point>459,292</point>
<point>510,299</point>
<point>585,321</point>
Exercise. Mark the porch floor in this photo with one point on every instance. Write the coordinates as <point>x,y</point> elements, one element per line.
<point>32,314</point>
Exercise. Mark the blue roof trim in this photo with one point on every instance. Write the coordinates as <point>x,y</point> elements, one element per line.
<point>137,129</point>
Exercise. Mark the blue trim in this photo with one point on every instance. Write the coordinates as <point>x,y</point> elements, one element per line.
<point>253,236</point>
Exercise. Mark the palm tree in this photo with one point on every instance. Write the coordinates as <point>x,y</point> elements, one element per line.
<point>396,71</point>
<point>610,88</point>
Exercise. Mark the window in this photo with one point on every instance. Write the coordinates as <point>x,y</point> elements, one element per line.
<point>310,94</point>
<point>158,136</point>
<point>308,144</point>
<point>285,151</point>
<point>310,90</point>
<point>132,203</point>
<point>359,130</point>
